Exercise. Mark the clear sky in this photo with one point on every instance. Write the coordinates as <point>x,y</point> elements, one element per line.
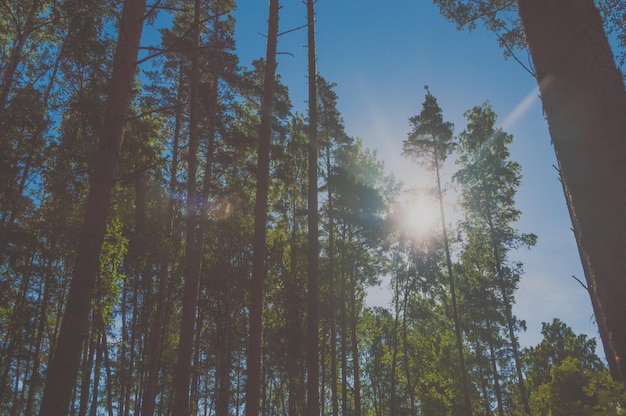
<point>381,53</point>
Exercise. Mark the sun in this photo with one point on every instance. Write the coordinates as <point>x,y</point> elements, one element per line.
<point>422,216</point>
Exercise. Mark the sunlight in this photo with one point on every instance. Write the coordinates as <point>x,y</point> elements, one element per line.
<point>422,216</point>
<point>521,108</point>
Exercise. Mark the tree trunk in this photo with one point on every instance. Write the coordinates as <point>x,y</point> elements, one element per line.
<point>334,398</point>
<point>455,310</point>
<point>63,369</point>
<point>313,399</point>
<point>355,356</point>
<point>294,324</point>
<point>255,347</point>
<point>405,345</point>
<point>394,344</point>
<point>193,253</point>
<point>344,341</point>
<point>585,103</point>
<point>158,327</point>
<point>494,368</point>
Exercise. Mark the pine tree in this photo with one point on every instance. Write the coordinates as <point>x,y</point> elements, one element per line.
<point>430,142</point>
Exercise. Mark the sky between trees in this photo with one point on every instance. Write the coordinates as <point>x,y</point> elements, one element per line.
<point>381,54</point>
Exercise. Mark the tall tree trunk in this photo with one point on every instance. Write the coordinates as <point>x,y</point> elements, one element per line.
<point>33,389</point>
<point>193,253</point>
<point>585,103</point>
<point>355,351</point>
<point>313,400</point>
<point>405,345</point>
<point>158,327</point>
<point>394,346</point>
<point>455,309</point>
<point>63,369</point>
<point>344,342</point>
<point>255,346</point>
<point>224,357</point>
<point>494,368</point>
<point>294,325</point>
<point>334,398</point>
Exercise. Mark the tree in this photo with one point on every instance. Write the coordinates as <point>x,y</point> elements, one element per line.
<point>430,142</point>
<point>489,182</point>
<point>63,369</point>
<point>584,99</point>
<point>313,401</point>
<point>253,381</point>
<point>566,376</point>
<point>585,102</point>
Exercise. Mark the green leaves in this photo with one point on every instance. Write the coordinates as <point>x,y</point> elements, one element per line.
<point>431,140</point>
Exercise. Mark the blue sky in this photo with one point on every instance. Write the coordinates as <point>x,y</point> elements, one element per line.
<point>381,53</point>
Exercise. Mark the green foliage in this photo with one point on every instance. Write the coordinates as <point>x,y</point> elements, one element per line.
<point>431,140</point>
<point>566,377</point>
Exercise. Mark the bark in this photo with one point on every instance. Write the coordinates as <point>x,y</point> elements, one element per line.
<point>313,399</point>
<point>405,345</point>
<point>334,398</point>
<point>33,389</point>
<point>585,103</point>
<point>253,383</point>
<point>193,253</point>
<point>344,341</point>
<point>224,357</point>
<point>494,369</point>
<point>394,344</point>
<point>63,369</point>
<point>355,355</point>
<point>158,327</point>
<point>455,310</point>
<point>294,325</point>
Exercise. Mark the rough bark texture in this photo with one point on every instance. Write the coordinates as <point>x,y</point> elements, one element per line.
<point>313,399</point>
<point>63,369</point>
<point>253,382</point>
<point>585,103</point>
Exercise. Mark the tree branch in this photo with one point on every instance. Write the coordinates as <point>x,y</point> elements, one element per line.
<point>180,39</point>
<point>581,283</point>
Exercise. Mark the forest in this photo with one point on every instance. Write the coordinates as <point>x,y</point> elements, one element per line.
<point>177,237</point>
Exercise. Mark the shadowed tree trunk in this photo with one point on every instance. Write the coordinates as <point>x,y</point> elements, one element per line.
<point>158,326</point>
<point>255,346</point>
<point>313,400</point>
<point>585,103</point>
<point>193,252</point>
<point>63,369</point>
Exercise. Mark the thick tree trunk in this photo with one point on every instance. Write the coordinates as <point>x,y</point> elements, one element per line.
<point>585,103</point>
<point>313,399</point>
<point>255,347</point>
<point>63,370</point>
